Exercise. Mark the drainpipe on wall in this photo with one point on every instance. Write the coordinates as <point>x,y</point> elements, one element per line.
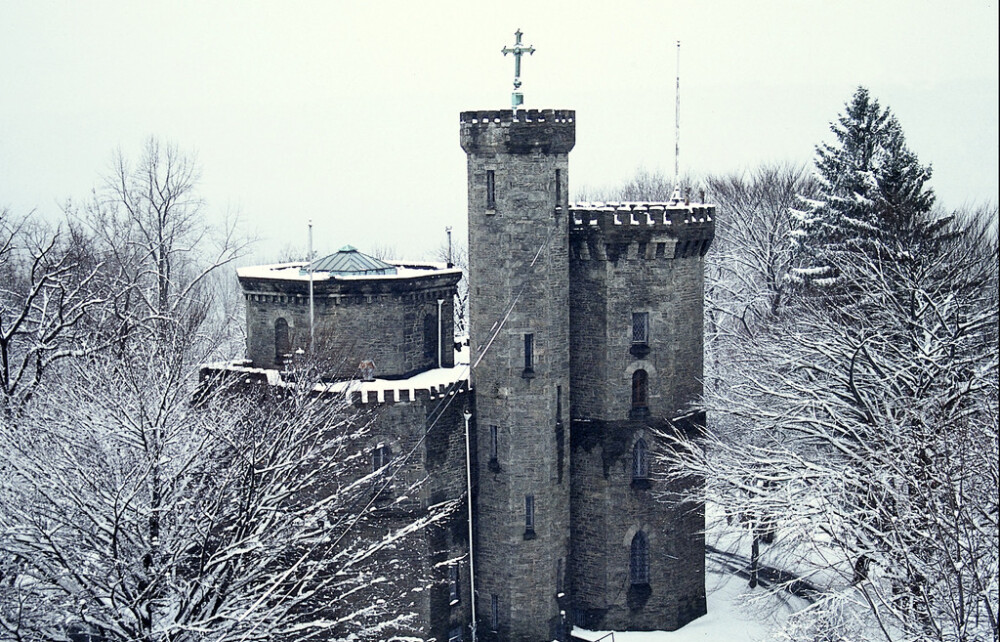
<point>440,331</point>
<point>468,490</point>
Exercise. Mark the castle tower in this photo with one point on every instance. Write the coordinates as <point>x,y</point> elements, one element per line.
<point>519,320</point>
<point>636,313</point>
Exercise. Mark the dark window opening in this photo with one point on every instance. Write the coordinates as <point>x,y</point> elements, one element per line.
<point>380,483</point>
<point>640,461</point>
<point>453,584</point>
<point>430,336</point>
<point>491,191</point>
<point>640,393</point>
<point>638,566</point>
<point>494,442</point>
<point>529,354</point>
<point>455,635</point>
<point>282,342</point>
<point>642,250</point>
<point>529,516</point>
<point>559,577</point>
<point>661,250</point>
<point>558,188</point>
<point>494,462</point>
<point>494,612</point>
<point>381,457</point>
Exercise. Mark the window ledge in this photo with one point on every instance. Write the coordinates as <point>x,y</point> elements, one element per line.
<point>494,466</point>
<point>638,595</point>
<point>641,483</point>
<point>529,535</point>
<point>640,412</point>
<point>639,350</point>
<point>528,373</point>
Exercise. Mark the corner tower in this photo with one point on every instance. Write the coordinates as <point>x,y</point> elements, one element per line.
<point>519,335</point>
<point>636,313</point>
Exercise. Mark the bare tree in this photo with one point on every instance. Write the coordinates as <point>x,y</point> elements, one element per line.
<point>150,222</point>
<point>868,440</point>
<point>131,514</point>
<point>139,503</point>
<point>752,252</point>
<point>49,284</point>
<point>645,185</point>
<point>456,254</point>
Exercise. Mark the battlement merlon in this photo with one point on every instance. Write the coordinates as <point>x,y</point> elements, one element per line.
<point>549,131</point>
<point>694,221</point>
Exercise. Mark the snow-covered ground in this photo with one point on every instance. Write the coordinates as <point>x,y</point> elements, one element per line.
<point>736,613</point>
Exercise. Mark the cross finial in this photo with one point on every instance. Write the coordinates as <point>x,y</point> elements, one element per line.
<point>517,98</point>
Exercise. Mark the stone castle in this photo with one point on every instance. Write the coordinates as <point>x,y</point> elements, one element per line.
<point>586,328</point>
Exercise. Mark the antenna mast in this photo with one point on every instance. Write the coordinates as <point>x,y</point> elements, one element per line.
<point>677,126</point>
<point>312,307</point>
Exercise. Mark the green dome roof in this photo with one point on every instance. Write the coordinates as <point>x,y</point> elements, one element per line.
<point>348,261</point>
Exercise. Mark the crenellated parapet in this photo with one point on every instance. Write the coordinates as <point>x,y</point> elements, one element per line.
<point>671,230</point>
<point>422,388</point>
<point>548,131</point>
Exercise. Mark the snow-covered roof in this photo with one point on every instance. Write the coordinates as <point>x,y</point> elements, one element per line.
<point>298,271</point>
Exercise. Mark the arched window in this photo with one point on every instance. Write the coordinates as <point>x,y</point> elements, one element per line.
<point>640,391</point>
<point>638,567</point>
<point>282,341</point>
<point>640,461</point>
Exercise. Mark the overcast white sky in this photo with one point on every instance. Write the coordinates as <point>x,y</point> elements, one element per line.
<point>347,113</point>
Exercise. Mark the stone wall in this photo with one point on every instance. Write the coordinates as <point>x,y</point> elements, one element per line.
<point>627,260</point>
<point>416,567</point>
<point>604,295</point>
<point>609,508</point>
<point>393,322</point>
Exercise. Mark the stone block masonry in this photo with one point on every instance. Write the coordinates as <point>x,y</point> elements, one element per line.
<point>519,314</point>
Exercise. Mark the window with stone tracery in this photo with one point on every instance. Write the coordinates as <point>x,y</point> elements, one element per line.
<point>639,560</point>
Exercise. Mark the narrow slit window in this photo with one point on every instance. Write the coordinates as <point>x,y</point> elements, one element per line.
<point>491,190</point>
<point>453,583</point>
<point>640,327</point>
<point>381,457</point>
<point>494,442</point>
<point>282,342</point>
<point>640,390</point>
<point>494,612</point>
<point>529,352</point>
<point>640,461</point>
<point>558,187</point>
<point>529,513</point>
<point>639,560</point>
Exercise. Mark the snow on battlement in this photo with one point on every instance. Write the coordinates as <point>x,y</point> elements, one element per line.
<point>663,215</point>
<point>432,384</point>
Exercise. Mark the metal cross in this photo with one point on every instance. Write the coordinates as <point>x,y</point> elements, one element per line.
<point>518,49</point>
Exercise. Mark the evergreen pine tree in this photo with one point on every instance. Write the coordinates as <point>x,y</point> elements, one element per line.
<point>873,199</point>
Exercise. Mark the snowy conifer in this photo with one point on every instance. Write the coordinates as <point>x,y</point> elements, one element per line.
<point>873,196</point>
